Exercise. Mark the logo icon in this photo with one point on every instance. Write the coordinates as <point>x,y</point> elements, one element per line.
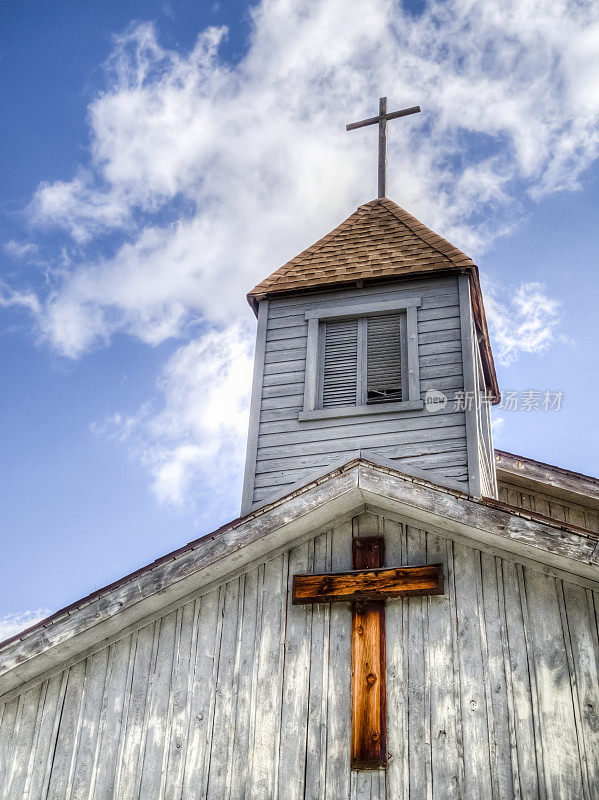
<point>434,400</point>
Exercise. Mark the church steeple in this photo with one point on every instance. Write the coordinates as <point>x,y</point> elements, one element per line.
<point>375,339</point>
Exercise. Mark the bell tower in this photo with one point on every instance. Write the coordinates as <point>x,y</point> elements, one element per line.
<point>372,341</point>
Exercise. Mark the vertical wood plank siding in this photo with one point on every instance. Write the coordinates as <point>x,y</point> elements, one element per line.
<point>288,449</point>
<point>493,691</point>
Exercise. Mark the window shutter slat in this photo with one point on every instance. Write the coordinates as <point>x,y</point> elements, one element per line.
<point>383,352</point>
<point>340,363</point>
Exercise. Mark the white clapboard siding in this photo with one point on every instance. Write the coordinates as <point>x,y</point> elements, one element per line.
<point>493,691</point>
<point>405,435</point>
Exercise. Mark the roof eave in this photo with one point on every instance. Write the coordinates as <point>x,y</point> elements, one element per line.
<point>346,491</point>
<point>539,476</point>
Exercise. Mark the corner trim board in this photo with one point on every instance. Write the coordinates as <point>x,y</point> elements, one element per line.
<point>472,432</point>
<point>249,477</point>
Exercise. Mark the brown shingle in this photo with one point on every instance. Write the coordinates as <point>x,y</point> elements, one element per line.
<point>379,240</point>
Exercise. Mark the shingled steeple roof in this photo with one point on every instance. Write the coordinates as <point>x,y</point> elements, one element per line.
<point>379,241</point>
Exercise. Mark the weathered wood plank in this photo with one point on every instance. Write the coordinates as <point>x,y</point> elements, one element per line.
<point>296,689</point>
<point>543,503</point>
<point>478,782</point>
<point>441,384</point>
<point>448,464</point>
<point>238,763</point>
<point>7,737</point>
<point>371,584</point>
<point>563,774</point>
<point>439,359</point>
<point>440,348</point>
<point>389,433</point>
<point>113,718</point>
<point>64,752</point>
<point>446,767</point>
<point>368,663</point>
<point>286,390</point>
<point>440,447</point>
<point>439,324</point>
<point>315,767</point>
<point>288,401</point>
<point>338,723</point>
<point>404,420</point>
<point>180,702</point>
<point>434,337</point>
<point>543,479</point>
<point>295,343</point>
<point>159,707</point>
<point>32,761</point>
<point>397,773</point>
<point>142,680</point>
<point>295,328</point>
<point>209,624</point>
<point>432,304</point>
<point>267,690</point>
<point>291,366</point>
<point>55,697</point>
<point>283,378</point>
<point>569,626</point>
<point>223,727</point>
<point>278,356</point>
<point>495,683</point>
<point>15,768</point>
<point>520,777</point>
<point>89,725</point>
<point>418,694</point>
<point>428,287</point>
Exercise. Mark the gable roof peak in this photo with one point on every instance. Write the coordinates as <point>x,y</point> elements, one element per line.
<point>379,240</point>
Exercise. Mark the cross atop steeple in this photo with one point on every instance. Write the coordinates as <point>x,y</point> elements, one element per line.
<point>382,119</point>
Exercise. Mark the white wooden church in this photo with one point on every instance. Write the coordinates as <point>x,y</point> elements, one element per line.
<point>399,612</point>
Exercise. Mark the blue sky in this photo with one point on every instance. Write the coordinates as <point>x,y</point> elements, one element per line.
<point>161,158</point>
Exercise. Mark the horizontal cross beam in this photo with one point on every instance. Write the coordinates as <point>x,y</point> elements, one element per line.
<point>392,115</point>
<point>368,584</point>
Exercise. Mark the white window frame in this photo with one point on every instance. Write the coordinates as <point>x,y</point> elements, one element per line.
<point>315,358</point>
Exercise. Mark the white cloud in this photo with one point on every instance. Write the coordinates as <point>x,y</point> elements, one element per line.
<point>10,624</point>
<point>195,442</point>
<point>11,297</point>
<point>204,176</point>
<point>208,170</point>
<point>526,323</point>
<point>497,425</point>
<point>21,250</point>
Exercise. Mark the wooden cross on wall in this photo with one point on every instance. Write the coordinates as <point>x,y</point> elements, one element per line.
<point>382,120</point>
<point>367,587</point>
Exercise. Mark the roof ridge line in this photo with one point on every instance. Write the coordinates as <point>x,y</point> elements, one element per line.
<point>390,206</point>
<point>318,245</point>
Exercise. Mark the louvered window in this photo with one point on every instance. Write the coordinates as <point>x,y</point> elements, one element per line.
<point>362,361</point>
<point>383,359</point>
<point>340,378</point>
